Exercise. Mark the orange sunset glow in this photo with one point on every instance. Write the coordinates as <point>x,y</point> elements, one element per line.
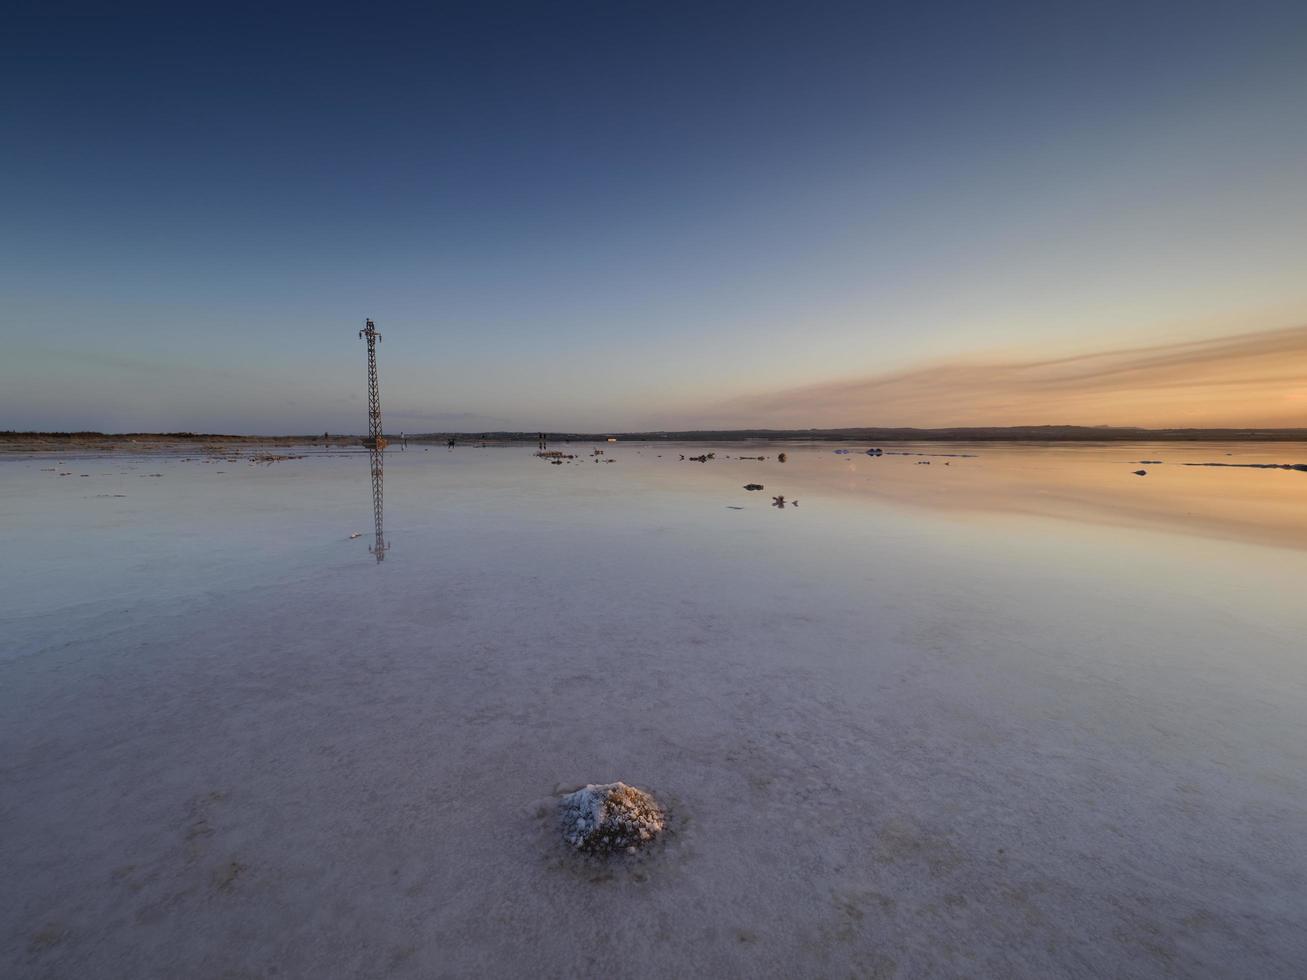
<point>1256,379</point>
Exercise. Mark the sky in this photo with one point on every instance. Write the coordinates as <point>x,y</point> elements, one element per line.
<point>614,216</point>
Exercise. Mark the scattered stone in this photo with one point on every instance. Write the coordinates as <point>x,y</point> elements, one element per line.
<point>1300,467</point>
<point>951,455</point>
<point>608,818</point>
<point>754,486</point>
<point>781,458</point>
<point>1141,472</point>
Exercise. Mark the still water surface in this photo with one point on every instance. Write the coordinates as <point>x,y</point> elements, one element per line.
<point>987,709</point>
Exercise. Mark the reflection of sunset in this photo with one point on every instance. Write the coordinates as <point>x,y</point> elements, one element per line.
<point>1097,485</point>
<point>1091,484</point>
<point>1254,379</point>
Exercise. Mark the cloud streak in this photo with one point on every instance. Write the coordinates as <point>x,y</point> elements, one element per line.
<point>1256,379</point>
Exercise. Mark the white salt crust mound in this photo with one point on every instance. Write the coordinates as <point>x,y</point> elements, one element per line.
<point>604,819</point>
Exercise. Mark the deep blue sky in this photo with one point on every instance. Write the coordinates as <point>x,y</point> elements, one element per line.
<point>616,215</point>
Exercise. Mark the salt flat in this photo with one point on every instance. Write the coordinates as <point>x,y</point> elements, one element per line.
<point>1026,715</point>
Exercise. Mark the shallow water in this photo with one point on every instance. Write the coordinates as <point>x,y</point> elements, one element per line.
<point>1026,713</point>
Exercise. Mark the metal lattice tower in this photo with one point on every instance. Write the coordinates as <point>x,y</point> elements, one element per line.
<point>376,441</point>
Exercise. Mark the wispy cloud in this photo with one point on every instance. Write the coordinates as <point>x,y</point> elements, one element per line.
<point>1249,379</point>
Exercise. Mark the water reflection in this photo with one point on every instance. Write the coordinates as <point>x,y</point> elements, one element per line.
<point>1251,495</point>
<point>1254,492</point>
<point>376,441</point>
<point>377,459</point>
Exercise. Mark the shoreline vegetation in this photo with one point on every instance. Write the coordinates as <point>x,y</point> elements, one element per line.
<point>11,441</point>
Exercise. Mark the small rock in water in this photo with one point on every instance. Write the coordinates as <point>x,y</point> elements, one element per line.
<point>605,819</point>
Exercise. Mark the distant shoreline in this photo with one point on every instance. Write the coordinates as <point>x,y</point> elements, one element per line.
<point>11,441</point>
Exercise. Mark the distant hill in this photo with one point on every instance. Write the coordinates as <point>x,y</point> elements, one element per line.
<point>1023,433</point>
<point>871,435</point>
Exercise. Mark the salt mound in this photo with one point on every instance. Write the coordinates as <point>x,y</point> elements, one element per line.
<point>608,818</point>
